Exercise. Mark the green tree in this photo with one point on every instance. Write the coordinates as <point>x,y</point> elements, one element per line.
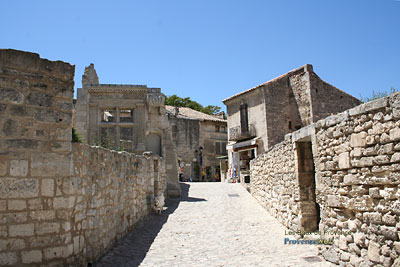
<point>177,101</point>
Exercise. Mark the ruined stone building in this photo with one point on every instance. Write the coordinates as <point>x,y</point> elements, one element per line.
<point>259,118</point>
<point>199,139</point>
<point>126,117</point>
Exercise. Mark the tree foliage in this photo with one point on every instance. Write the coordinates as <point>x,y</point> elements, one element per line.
<point>177,101</point>
<point>378,94</point>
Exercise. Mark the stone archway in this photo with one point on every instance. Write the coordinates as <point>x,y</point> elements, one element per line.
<point>153,143</point>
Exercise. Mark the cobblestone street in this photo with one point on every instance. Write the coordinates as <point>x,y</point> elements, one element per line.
<point>215,224</point>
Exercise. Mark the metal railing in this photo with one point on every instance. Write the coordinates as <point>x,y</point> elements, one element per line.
<point>236,133</point>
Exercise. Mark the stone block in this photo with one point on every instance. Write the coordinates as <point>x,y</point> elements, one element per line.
<point>48,228</point>
<point>376,104</point>
<point>358,139</point>
<point>32,256</point>
<point>394,134</point>
<point>359,239</point>
<point>382,159</point>
<point>58,252</point>
<point>344,160</point>
<point>3,205</point>
<point>8,259</point>
<point>21,230</point>
<point>39,99</point>
<point>395,157</point>
<point>350,179</point>
<point>19,168</point>
<point>16,204</point>
<point>3,231</point>
<point>373,251</point>
<point>389,232</point>
<point>41,215</point>
<point>47,187</point>
<point>3,167</point>
<point>48,164</point>
<point>64,202</point>
<point>20,111</point>
<point>52,116</point>
<point>64,91</point>
<point>19,188</point>
<point>372,217</point>
<point>11,96</point>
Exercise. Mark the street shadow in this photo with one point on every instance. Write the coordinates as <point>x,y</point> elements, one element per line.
<point>132,249</point>
<point>185,194</point>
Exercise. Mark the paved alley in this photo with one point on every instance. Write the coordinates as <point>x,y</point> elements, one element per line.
<point>215,224</point>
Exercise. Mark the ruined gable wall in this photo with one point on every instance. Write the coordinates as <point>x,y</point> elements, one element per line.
<point>356,156</point>
<point>327,99</point>
<point>60,204</point>
<point>282,111</point>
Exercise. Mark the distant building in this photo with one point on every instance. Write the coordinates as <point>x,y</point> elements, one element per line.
<point>199,140</point>
<point>260,117</point>
<point>126,117</point>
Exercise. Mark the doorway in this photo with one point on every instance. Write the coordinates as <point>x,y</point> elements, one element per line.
<point>309,215</point>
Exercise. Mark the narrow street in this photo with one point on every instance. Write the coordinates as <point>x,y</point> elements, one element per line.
<point>215,224</point>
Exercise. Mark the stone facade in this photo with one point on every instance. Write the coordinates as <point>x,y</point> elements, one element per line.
<point>340,176</point>
<point>60,203</point>
<point>261,116</point>
<point>126,117</point>
<point>199,139</point>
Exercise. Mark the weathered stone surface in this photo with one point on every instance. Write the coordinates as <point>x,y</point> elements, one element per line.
<point>373,251</point>
<point>47,164</point>
<point>358,140</point>
<point>344,160</point>
<point>21,230</point>
<point>11,96</point>
<point>32,256</point>
<point>8,258</point>
<point>39,99</point>
<point>19,168</point>
<point>16,204</point>
<point>19,188</point>
<point>47,187</point>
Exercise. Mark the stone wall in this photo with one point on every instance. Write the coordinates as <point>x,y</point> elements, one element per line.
<point>108,194</point>
<point>354,193</point>
<point>60,204</point>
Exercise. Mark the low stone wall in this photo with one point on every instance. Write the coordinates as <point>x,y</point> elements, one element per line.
<point>109,193</point>
<point>273,183</point>
<point>354,187</point>
<point>60,204</point>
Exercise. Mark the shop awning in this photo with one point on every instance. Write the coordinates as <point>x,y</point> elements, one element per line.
<point>248,144</point>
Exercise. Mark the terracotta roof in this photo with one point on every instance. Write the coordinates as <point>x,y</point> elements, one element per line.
<point>188,113</point>
<point>306,67</point>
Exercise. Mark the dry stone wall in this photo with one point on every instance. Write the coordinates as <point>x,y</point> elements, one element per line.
<point>60,204</point>
<point>356,156</point>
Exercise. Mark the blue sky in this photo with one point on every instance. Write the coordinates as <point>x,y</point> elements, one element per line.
<point>212,49</point>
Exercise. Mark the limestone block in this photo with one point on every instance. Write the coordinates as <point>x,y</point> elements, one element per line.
<point>21,230</point>
<point>3,167</point>
<point>382,159</point>
<point>374,192</point>
<point>40,215</point>
<point>48,164</point>
<point>373,251</point>
<point>58,252</point>
<point>389,232</point>
<point>359,239</point>
<point>395,157</point>
<point>8,258</point>
<point>358,139</point>
<point>376,104</point>
<point>357,152</point>
<point>16,204</point>
<point>19,188</point>
<point>47,187</point>
<point>331,255</point>
<point>344,160</point>
<point>355,261</point>
<point>397,247</point>
<point>345,256</point>
<point>350,179</point>
<point>11,96</point>
<point>372,217</point>
<point>64,202</point>
<point>39,99</point>
<point>47,228</point>
<point>19,168</point>
<point>386,149</point>
<point>3,230</point>
<point>384,138</point>
<point>32,256</point>
<point>394,134</point>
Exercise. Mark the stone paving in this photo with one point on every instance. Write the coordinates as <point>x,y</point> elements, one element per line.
<point>214,224</point>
